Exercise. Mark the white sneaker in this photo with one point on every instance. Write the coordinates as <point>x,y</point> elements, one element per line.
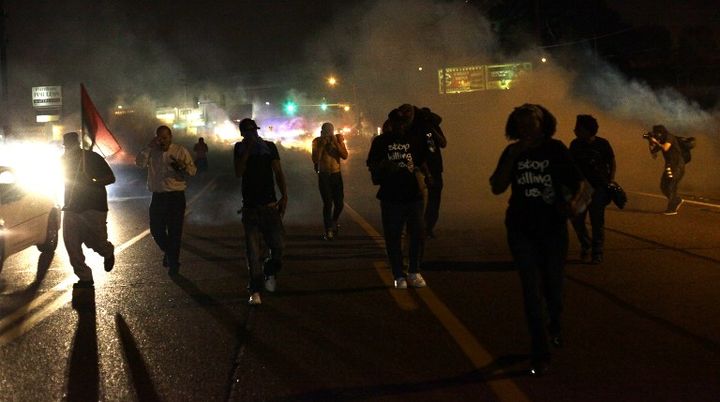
<point>416,281</point>
<point>400,283</point>
<point>255,299</point>
<point>270,283</point>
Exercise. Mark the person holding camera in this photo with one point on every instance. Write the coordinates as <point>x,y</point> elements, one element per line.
<point>596,160</point>
<point>327,151</point>
<point>660,139</point>
<point>169,166</point>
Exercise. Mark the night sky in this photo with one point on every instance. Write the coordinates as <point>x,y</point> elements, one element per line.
<point>124,48</point>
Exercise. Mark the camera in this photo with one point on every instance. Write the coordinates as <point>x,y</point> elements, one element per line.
<point>177,165</point>
<point>648,135</point>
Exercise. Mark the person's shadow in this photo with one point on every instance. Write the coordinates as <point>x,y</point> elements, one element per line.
<point>83,371</point>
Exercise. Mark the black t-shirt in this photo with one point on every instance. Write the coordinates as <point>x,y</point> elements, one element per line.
<point>594,160</point>
<point>258,181</point>
<point>543,178</point>
<point>81,193</point>
<point>673,156</point>
<point>392,160</point>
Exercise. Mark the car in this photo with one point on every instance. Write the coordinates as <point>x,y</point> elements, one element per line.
<point>26,219</point>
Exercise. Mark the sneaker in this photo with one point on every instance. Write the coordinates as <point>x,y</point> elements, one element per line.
<point>673,210</point>
<point>84,284</point>
<point>678,204</point>
<point>401,283</point>
<point>109,262</point>
<point>539,366</point>
<point>329,235</point>
<point>270,283</point>
<point>416,281</point>
<point>255,299</point>
<point>597,259</point>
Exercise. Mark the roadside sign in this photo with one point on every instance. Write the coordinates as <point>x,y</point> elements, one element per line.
<point>48,97</point>
<point>455,80</point>
<point>502,76</point>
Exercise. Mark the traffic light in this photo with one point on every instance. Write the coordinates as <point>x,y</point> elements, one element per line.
<point>290,107</point>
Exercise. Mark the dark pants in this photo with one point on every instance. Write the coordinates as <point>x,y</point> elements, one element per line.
<point>333,195</point>
<point>262,223</point>
<point>201,164</point>
<point>596,210</point>
<point>669,183</point>
<point>167,213</point>
<point>395,216</point>
<point>539,257</point>
<point>432,209</point>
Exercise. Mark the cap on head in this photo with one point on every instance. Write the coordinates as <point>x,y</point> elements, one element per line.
<point>661,132</point>
<point>71,139</point>
<point>587,122</point>
<point>248,124</point>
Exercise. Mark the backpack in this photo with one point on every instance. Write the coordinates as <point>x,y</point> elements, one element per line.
<point>686,144</point>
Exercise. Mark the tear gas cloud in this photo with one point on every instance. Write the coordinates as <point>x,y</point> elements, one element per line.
<point>376,49</point>
<point>382,45</point>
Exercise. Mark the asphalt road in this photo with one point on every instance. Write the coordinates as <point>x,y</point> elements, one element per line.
<point>642,326</point>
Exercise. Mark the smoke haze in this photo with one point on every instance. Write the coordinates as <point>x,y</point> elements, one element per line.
<point>385,53</point>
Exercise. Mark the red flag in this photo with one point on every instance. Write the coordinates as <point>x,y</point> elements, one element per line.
<point>99,134</point>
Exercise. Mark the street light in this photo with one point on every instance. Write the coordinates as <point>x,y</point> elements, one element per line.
<point>332,81</point>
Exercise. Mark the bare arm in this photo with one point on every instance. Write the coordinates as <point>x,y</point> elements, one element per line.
<point>502,177</point>
<point>316,150</point>
<point>240,161</point>
<point>341,146</point>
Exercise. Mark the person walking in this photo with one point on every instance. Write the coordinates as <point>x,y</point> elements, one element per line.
<point>257,162</point>
<point>327,151</point>
<point>201,151</point>
<point>596,160</point>
<point>540,171</point>
<point>169,166</point>
<point>396,161</point>
<point>85,211</point>
<point>426,126</point>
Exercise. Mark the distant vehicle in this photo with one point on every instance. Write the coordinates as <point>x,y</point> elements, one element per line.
<point>26,219</point>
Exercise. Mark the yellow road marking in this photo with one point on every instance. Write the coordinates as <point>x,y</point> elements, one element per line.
<point>19,323</point>
<point>505,389</point>
<point>691,202</point>
<point>402,298</point>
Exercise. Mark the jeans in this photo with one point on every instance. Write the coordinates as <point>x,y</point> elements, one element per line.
<point>539,257</point>
<point>167,215</point>
<point>669,183</point>
<point>432,209</point>
<point>395,216</point>
<point>262,223</point>
<point>596,210</point>
<point>89,227</point>
<point>332,193</point>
